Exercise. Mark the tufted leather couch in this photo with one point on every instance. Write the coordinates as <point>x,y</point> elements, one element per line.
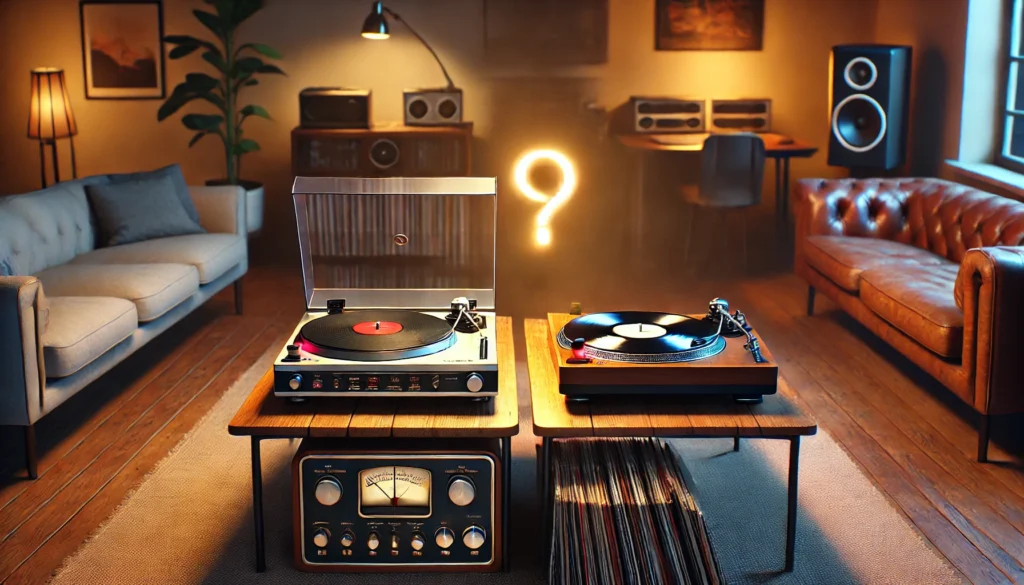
<point>934,268</point>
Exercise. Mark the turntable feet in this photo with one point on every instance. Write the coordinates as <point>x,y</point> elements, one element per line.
<point>748,398</point>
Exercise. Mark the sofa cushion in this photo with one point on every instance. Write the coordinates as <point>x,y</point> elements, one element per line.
<point>133,211</point>
<point>44,228</point>
<point>172,172</point>
<point>918,300</point>
<point>211,254</point>
<point>82,329</point>
<point>842,259</point>
<point>154,288</point>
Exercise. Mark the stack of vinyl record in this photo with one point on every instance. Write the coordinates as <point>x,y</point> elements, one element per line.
<point>623,514</point>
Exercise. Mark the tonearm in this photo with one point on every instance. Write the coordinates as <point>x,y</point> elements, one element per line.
<point>718,312</point>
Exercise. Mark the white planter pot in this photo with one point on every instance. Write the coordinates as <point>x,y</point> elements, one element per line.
<point>254,209</point>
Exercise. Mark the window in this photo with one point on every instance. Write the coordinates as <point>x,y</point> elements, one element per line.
<point>1012,151</point>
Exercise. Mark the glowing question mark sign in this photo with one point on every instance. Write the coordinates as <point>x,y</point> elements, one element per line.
<point>551,202</point>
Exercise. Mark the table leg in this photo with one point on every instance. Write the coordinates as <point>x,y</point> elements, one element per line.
<point>778,195</point>
<point>736,443</point>
<point>506,490</point>
<point>257,504</point>
<point>794,468</point>
<point>547,507</point>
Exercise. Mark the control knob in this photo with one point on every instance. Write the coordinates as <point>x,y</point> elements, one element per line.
<point>321,537</point>
<point>394,541</point>
<point>417,541</point>
<point>461,491</point>
<point>475,383</point>
<point>347,538</point>
<point>474,537</point>
<point>295,382</point>
<point>372,541</point>
<point>444,537</point>
<point>328,491</point>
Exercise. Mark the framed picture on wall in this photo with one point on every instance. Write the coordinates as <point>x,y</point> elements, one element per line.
<point>122,49</point>
<point>709,25</point>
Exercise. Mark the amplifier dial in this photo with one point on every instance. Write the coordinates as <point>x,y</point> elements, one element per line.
<point>417,541</point>
<point>347,539</point>
<point>475,383</point>
<point>394,541</point>
<point>328,491</point>
<point>444,537</point>
<point>295,382</point>
<point>474,537</point>
<point>321,537</point>
<point>372,541</point>
<point>461,491</point>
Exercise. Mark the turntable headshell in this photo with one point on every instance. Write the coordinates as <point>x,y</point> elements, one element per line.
<point>464,318</point>
<point>733,325</point>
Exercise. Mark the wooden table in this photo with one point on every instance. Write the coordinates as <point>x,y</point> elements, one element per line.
<point>779,147</point>
<point>778,417</point>
<point>265,416</point>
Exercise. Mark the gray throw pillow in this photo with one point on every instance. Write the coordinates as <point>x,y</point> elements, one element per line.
<point>172,172</point>
<point>133,211</point>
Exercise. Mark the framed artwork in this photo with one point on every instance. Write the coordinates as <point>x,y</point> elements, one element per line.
<point>709,25</point>
<point>122,49</point>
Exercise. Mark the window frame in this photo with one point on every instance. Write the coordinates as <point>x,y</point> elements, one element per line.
<point>1012,74</point>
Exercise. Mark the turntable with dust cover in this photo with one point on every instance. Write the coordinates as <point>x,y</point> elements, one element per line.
<point>399,286</point>
<point>646,353</point>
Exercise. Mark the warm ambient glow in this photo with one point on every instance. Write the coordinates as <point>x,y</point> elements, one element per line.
<point>375,36</point>
<point>551,202</point>
<point>50,114</point>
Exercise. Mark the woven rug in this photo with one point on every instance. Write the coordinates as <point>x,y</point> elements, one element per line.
<point>190,521</point>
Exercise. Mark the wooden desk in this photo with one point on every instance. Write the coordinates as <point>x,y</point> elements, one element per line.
<point>780,147</point>
<point>778,417</point>
<point>265,416</point>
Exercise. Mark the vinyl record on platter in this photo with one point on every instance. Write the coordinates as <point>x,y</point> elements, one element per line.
<point>375,335</point>
<point>643,337</point>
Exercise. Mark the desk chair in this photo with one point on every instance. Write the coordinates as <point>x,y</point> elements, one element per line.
<point>732,168</point>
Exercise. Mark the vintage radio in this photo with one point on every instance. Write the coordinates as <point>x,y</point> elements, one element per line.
<point>334,107</point>
<point>433,107</point>
<point>742,115</point>
<point>365,508</point>
<point>664,115</point>
<point>383,151</point>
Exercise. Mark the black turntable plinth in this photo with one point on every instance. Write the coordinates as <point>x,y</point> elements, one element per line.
<point>641,353</point>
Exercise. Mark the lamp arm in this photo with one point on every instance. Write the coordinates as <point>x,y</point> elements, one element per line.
<point>451,84</point>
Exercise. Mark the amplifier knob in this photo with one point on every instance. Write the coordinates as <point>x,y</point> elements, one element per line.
<point>417,541</point>
<point>328,491</point>
<point>347,539</point>
<point>475,383</point>
<point>394,541</point>
<point>461,491</point>
<point>321,537</point>
<point>474,537</point>
<point>372,541</point>
<point>295,382</point>
<point>444,537</point>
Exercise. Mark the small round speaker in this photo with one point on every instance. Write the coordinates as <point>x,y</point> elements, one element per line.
<point>418,108</point>
<point>447,108</point>
<point>860,73</point>
<point>858,123</point>
<point>384,153</point>
<point>646,122</point>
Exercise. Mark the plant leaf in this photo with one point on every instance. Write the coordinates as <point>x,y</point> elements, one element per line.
<point>202,122</point>
<point>182,40</point>
<point>182,51</point>
<point>254,110</point>
<point>217,60</point>
<point>251,82</point>
<point>184,93</point>
<point>268,68</point>
<point>212,22</point>
<point>246,66</point>
<point>243,9</point>
<point>245,146</point>
<point>196,138</point>
<point>200,82</point>
<point>265,50</point>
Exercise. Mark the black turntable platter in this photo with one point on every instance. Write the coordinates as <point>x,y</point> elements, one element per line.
<point>643,337</point>
<point>376,335</point>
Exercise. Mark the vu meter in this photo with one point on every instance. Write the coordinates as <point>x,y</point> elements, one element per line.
<point>408,510</point>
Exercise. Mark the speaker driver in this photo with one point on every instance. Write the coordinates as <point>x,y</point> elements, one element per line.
<point>447,108</point>
<point>858,123</point>
<point>418,108</point>
<point>860,73</point>
<point>384,153</point>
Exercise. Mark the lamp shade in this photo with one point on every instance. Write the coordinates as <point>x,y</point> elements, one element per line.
<point>376,24</point>
<point>50,114</point>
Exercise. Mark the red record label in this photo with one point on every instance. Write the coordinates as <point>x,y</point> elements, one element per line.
<point>377,328</point>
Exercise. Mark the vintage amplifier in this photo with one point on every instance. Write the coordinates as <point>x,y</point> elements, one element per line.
<point>664,115</point>
<point>741,115</point>
<point>366,506</point>
<point>432,107</point>
<point>334,107</point>
<point>383,151</point>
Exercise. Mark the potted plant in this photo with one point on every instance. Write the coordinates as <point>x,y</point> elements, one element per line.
<point>236,65</point>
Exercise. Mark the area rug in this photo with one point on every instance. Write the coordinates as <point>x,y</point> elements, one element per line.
<point>190,521</point>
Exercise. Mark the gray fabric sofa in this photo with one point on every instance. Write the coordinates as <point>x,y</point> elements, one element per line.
<point>70,311</point>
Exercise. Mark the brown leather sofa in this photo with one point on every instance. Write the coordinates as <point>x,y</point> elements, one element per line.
<point>934,268</point>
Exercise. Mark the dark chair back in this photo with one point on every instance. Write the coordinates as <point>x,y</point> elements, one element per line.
<point>732,169</point>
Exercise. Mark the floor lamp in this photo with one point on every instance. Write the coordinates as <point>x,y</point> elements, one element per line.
<point>50,117</point>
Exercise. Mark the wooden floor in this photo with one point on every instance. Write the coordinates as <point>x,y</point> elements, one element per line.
<point>909,435</point>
